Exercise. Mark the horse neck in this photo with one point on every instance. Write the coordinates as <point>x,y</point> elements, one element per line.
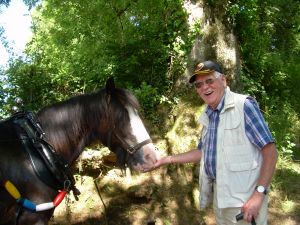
<point>69,131</point>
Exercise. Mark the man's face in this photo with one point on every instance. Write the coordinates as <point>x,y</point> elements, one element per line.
<point>210,88</point>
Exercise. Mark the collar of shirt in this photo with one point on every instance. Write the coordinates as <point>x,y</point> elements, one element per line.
<point>209,110</point>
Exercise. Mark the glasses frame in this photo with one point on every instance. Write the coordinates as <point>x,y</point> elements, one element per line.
<point>208,81</point>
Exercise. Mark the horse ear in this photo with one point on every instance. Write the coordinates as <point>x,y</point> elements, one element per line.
<point>110,85</point>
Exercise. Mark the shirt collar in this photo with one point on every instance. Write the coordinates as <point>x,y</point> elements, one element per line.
<point>209,110</point>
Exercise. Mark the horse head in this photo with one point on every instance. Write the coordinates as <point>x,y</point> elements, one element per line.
<point>128,137</point>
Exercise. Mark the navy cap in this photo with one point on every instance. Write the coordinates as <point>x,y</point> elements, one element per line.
<point>205,68</point>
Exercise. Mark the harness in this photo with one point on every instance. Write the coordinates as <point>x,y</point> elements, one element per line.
<point>49,166</point>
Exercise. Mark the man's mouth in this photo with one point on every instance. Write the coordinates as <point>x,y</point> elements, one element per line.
<point>208,93</point>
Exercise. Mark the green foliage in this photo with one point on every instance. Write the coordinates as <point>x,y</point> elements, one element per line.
<point>3,94</point>
<point>76,46</point>
<point>268,32</point>
<point>144,44</point>
<point>24,80</point>
<point>269,42</point>
<point>148,97</point>
<point>286,129</point>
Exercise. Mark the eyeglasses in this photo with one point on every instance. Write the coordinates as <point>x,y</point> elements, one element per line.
<point>209,81</point>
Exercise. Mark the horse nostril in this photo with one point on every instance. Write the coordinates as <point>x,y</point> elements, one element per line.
<point>150,159</point>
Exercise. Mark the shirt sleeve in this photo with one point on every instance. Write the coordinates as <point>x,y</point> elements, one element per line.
<point>256,128</point>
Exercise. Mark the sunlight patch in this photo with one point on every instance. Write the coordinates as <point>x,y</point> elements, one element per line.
<point>288,206</point>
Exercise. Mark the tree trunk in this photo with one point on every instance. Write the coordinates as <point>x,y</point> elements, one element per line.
<point>217,41</point>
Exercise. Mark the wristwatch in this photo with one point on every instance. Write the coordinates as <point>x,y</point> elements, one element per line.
<point>261,189</point>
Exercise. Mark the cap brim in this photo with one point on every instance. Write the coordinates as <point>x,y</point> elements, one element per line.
<point>192,79</point>
<point>201,73</point>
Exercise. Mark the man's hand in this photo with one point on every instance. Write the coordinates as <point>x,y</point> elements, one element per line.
<point>252,206</point>
<point>162,161</point>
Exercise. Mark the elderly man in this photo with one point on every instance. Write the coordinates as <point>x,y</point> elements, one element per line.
<point>237,151</point>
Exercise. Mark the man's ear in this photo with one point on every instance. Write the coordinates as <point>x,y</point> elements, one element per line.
<point>223,78</point>
<point>110,85</point>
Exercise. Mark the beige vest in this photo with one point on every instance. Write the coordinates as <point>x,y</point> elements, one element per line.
<point>238,161</point>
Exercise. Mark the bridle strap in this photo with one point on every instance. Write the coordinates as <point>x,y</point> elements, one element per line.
<point>131,149</point>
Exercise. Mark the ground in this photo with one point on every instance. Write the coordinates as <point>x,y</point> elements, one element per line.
<point>125,198</point>
<point>167,196</point>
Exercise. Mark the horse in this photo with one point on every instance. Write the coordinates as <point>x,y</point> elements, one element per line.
<point>56,136</point>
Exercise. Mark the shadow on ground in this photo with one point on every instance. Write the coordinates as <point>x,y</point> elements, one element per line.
<point>165,197</point>
<point>153,198</point>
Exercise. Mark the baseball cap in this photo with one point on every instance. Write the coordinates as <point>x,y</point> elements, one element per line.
<point>205,68</point>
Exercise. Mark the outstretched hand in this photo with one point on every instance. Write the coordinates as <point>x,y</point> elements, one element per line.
<point>160,162</point>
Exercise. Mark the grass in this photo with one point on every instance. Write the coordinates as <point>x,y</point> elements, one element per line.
<point>167,196</point>
<point>285,195</point>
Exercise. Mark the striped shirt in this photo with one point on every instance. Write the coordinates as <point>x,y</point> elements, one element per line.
<point>256,130</point>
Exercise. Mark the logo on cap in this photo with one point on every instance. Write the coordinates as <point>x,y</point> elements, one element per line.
<point>199,67</point>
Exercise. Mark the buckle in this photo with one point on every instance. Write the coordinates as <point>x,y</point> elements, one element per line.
<point>131,149</point>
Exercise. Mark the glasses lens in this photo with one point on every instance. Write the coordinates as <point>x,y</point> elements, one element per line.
<point>199,84</point>
<point>210,81</point>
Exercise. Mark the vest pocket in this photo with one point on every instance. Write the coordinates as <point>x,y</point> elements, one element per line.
<point>240,176</point>
<point>241,171</point>
<point>233,129</point>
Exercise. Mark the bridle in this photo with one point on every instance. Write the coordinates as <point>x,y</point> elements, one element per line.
<point>130,149</point>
